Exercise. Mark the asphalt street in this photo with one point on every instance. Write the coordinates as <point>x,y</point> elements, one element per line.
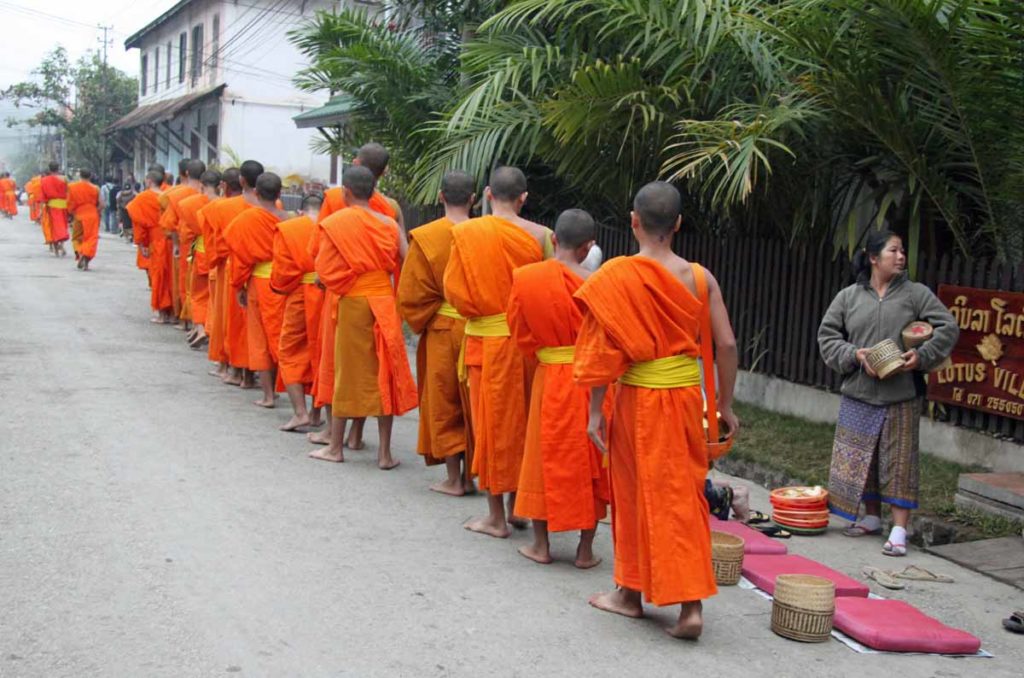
<point>154,522</point>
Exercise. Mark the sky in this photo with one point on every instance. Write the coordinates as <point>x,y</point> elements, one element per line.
<point>32,28</point>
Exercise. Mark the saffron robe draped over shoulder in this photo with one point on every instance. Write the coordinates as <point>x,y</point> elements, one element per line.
<point>323,379</point>
<point>250,237</point>
<point>54,193</point>
<point>9,190</point>
<point>83,205</point>
<point>477,282</point>
<point>193,245</point>
<point>561,480</point>
<point>444,399</point>
<point>34,197</point>
<point>358,255</point>
<point>637,311</point>
<point>144,210</point>
<point>228,330</point>
<point>169,221</point>
<point>299,345</point>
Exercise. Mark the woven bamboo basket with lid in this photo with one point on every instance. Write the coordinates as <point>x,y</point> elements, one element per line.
<point>803,607</point>
<point>885,357</point>
<point>726,558</point>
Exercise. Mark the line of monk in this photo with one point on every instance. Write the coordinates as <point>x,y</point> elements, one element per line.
<point>53,197</point>
<point>559,392</point>
<point>84,208</point>
<point>8,196</point>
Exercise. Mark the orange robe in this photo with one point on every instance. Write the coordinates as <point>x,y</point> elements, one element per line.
<point>228,331</point>
<point>169,223</point>
<point>10,196</point>
<point>323,379</point>
<point>357,256</point>
<point>561,479</point>
<point>54,192</point>
<point>193,245</point>
<point>444,400</point>
<point>477,282</point>
<point>83,205</point>
<point>250,237</point>
<point>144,210</point>
<point>637,311</point>
<point>292,276</point>
<point>34,207</point>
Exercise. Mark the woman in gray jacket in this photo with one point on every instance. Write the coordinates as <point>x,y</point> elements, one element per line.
<point>875,451</point>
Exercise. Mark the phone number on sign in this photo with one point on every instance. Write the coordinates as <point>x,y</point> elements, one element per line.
<point>1002,405</point>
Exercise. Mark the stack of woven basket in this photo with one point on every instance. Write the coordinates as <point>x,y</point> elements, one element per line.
<point>802,510</point>
<point>803,607</point>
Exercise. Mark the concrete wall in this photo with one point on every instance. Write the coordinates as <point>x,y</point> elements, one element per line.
<point>938,438</point>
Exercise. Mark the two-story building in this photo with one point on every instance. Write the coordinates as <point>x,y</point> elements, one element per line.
<point>215,83</point>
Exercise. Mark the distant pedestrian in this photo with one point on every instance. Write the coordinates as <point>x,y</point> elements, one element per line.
<point>875,453</point>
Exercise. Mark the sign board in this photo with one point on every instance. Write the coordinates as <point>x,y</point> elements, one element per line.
<point>987,370</point>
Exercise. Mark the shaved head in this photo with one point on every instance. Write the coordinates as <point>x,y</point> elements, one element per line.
<point>232,179</point>
<point>251,171</point>
<point>313,201</point>
<point>85,174</point>
<point>507,183</point>
<point>195,169</point>
<point>54,166</point>
<point>574,228</point>
<point>156,167</point>
<point>183,167</point>
<point>155,178</point>
<point>268,187</point>
<point>457,188</point>
<point>210,178</point>
<point>658,206</point>
<point>374,157</point>
<point>360,181</point>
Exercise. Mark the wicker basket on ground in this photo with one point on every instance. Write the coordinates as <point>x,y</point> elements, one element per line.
<point>726,558</point>
<point>803,607</point>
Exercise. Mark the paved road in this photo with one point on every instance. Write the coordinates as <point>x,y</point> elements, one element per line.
<point>155,523</point>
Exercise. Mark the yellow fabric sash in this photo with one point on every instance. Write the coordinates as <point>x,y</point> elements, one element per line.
<point>372,284</point>
<point>263,269</point>
<point>200,245</point>
<point>309,278</point>
<point>675,371</point>
<point>57,203</point>
<point>488,326</point>
<point>449,311</point>
<point>556,355</point>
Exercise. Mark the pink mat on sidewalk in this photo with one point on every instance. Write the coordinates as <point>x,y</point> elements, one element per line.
<point>762,571</point>
<point>896,626</point>
<point>753,541</point>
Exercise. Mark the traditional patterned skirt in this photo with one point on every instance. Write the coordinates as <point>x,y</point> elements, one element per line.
<point>874,456</point>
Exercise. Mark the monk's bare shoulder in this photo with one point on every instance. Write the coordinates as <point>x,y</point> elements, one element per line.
<point>538,231</point>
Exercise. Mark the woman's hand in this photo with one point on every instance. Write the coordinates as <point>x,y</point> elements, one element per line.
<point>911,361</point>
<point>862,358</point>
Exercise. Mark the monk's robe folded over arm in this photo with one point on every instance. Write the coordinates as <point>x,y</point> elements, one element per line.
<point>641,326</point>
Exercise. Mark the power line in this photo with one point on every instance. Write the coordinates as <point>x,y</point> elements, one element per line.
<point>31,11</point>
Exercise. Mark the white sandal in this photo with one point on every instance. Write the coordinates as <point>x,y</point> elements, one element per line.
<point>896,550</point>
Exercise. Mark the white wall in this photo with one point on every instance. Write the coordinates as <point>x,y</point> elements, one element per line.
<point>266,132</point>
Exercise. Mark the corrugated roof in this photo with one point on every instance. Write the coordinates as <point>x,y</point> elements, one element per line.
<point>335,112</point>
<point>164,110</point>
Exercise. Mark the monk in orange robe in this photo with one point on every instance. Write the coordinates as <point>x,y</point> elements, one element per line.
<point>83,205</point>
<point>643,318</point>
<point>477,282</point>
<point>227,329</point>
<point>144,210</point>
<point>561,483</point>
<point>54,192</point>
<point>191,236</point>
<point>373,157</point>
<point>444,401</point>
<point>9,194</point>
<point>188,186</point>
<point>360,251</point>
<point>250,236</point>
<point>34,206</point>
<point>294,276</point>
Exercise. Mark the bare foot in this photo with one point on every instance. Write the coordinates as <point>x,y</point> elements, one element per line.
<point>619,601</point>
<point>488,527</point>
<point>536,555</point>
<point>314,421</point>
<point>469,488</point>
<point>216,373</point>
<point>295,423</point>
<point>354,444</point>
<point>325,455</point>
<point>691,622</point>
<point>519,523</point>
<point>262,402</point>
<point>320,437</point>
<point>586,564</point>
<point>247,384</point>
<point>388,464</point>
<point>231,380</point>
<point>455,490</point>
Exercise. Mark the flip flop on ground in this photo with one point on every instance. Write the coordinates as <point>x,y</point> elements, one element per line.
<point>1015,622</point>
<point>917,573</point>
<point>860,531</point>
<point>883,577</point>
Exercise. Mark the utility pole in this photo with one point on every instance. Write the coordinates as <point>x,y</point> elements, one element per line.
<point>106,77</point>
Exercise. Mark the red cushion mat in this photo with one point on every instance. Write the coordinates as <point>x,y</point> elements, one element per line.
<point>762,571</point>
<point>896,626</point>
<point>753,541</point>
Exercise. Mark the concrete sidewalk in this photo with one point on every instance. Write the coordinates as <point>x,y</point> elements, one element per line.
<point>155,523</point>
